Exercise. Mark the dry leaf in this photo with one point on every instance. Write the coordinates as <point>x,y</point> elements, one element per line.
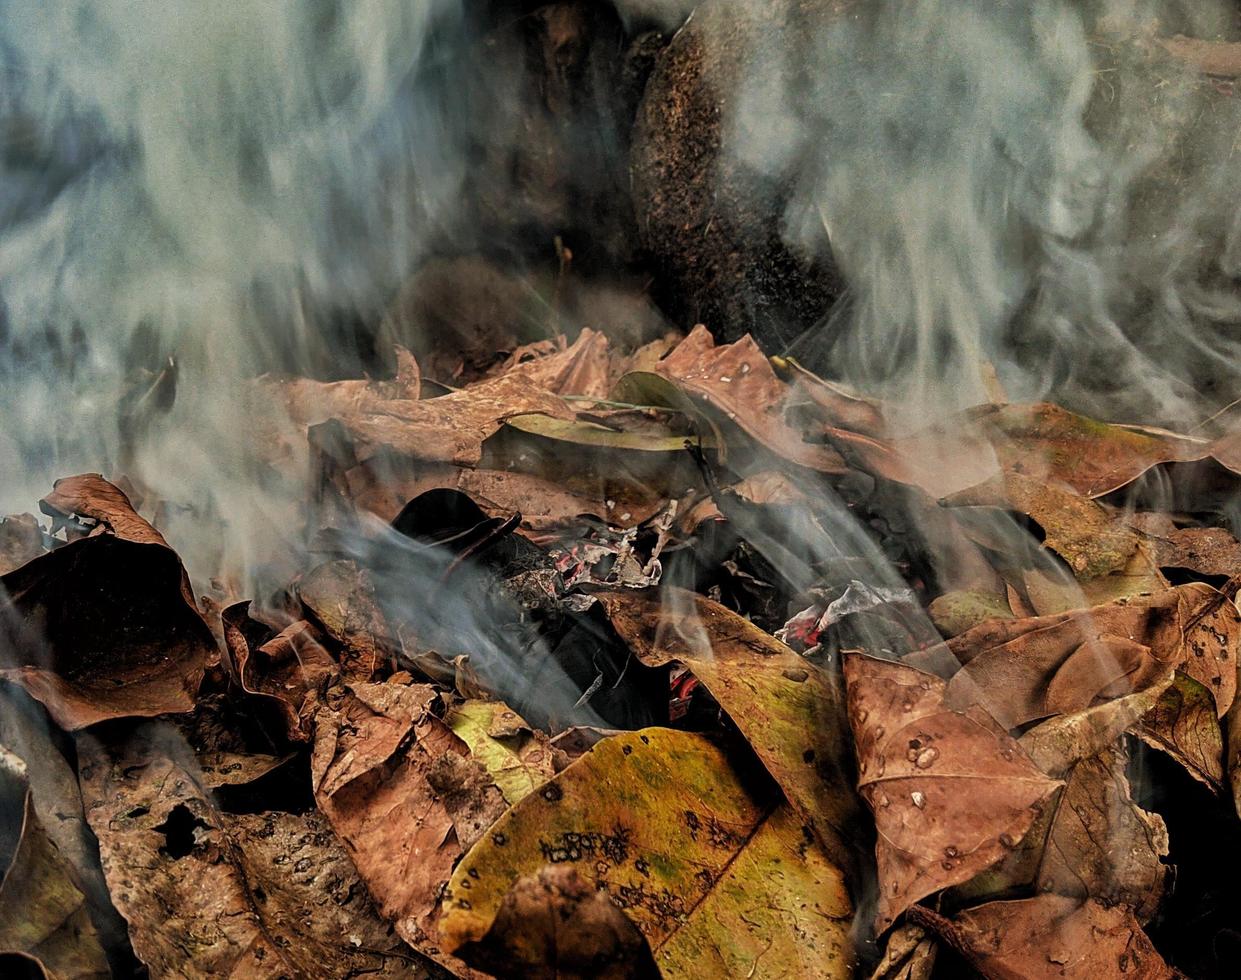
<point>714,869</point>
<point>918,760</point>
<point>737,382</point>
<point>1051,938</point>
<point>290,671</point>
<point>1102,845</point>
<point>340,597</point>
<point>1079,530</point>
<point>518,759</point>
<point>790,710</point>
<point>554,926</point>
<point>208,893</point>
<point>42,911</point>
<point>449,429</point>
<point>1041,440</point>
<point>1021,670</point>
<point>372,767</point>
<point>957,612</point>
<point>56,804</point>
<point>105,626</point>
<point>1183,724</point>
<point>909,954</point>
<point>587,368</point>
<point>1209,551</point>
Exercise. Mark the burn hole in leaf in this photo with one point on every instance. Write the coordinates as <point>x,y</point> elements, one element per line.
<point>178,831</point>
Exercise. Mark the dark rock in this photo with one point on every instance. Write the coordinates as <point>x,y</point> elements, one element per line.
<point>712,223</point>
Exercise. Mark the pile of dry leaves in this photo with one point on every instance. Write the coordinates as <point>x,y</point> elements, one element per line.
<point>627,665</point>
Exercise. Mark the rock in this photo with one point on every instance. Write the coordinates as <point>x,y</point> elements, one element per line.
<point>711,223</point>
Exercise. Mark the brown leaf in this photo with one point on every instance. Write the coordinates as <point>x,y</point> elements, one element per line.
<point>1183,724</point>
<point>372,768</point>
<point>1055,590</point>
<point>1051,938</point>
<point>836,406</point>
<point>737,381</point>
<point>1043,441</point>
<point>1021,670</point>
<point>555,926</point>
<point>290,671</point>
<point>449,429</point>
<point>340,597</point>
<point>469,794</point>
<point>1058,744</point>
<point>916,757</point>
<point>56,804</point>
<point>1232,739</point>
<point>1102,845</point>
<point>386,486</point>
<point>790,711</point>
<point>42,911</point>
<point>108,624</point>
<point>909,954</point>
<point>309,402</point>
<point>1209,551</point>
<point>585,368</point>
<point>213,894</point>
<point>1077,529</point>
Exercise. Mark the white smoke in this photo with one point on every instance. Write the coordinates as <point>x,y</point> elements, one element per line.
<point>210,182</point>
<point>981,171</point>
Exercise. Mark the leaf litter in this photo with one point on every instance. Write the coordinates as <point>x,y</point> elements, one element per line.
<point>669,662</point>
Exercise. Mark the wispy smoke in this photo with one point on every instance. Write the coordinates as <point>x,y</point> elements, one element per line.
<point>1027,184</point>
<point>222,184</point>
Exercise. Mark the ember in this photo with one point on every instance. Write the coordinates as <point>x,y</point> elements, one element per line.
<point>620,489</point>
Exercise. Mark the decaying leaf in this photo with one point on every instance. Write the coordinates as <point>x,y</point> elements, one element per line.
<point>957,612</point>
<point>1092,840</point>
<point>555,926</point>
<point>918,760</point>
<point>1051,938</point>
<point>1183,724</point>
<point>737,382</point>
<point>375,758</point>
<point>1077,529</point>
<point>56,803</point>
<point>586,368</point>
<point>1206,551</point>
<point>1053,589</point>
<point>449,429</point>
<point>715,870</point>
<point>790,711</point>
<point>1060,742</point>
<point>341,599</point>
<point>208,893</point>
<point>42,912</point>
<point>1101,845</point>
<point>105,626</point>
<point>290,671</point>
<point>518,760</point>
<point>1022,670</point>
<point>909,954</point>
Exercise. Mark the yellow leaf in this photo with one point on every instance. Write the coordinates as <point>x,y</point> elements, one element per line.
<point>710,864</point>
